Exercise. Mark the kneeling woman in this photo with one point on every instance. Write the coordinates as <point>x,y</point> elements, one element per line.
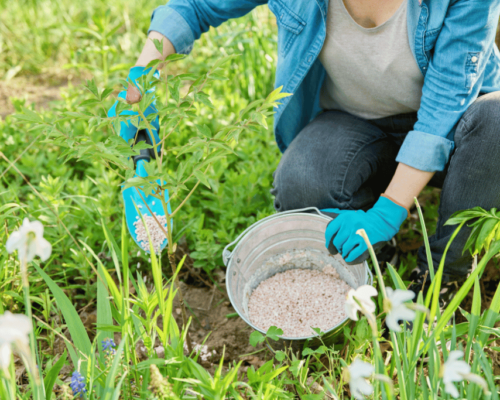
<point>387,97</point>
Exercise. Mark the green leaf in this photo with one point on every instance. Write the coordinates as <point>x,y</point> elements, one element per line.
<point>256,338</point>
<point>318,331</point>
<point>104,316</point>
<point>92,88</point>
<point>398,282</point>
<point>29,116</point>
<point>175,57</point>
<point>73,322</point>
<point>115,293</point>
<point>110,379</point>
<point>204,99</point>
<point>280,355</point>
<point>158,45</point>
<point>201,177</point>
<point>274,333</point>
<point>106,92</point>
<point>187,77</point>
<point>471,240</point>
<point>276,95</point>
<point>50,378</point>
<point>487,229</point>
<point>204,130</point>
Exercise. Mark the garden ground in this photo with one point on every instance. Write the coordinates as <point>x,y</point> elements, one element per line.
<point>84,195</point>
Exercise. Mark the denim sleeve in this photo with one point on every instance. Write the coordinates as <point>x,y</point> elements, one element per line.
<point>183,21</point>
<point>452,82</point>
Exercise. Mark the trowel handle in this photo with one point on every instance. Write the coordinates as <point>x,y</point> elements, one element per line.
<point>144,154</point>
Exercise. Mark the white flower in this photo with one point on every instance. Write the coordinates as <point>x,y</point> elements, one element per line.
<point>5,356</point>
<point>357,373</point>
<point>456,370</point>
<point>14,331</point>
<point>397,309</point>
<point>363,295</point>
<point>29,241</point>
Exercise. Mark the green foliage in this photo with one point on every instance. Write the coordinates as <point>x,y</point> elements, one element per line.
<point>272,333</point>
<point>72,156</point>
<point>485,228</point>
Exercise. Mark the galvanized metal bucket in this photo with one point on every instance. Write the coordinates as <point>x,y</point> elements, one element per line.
<point>300,235</point>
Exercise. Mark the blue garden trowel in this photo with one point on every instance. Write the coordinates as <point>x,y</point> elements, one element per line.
<point>134,199</point>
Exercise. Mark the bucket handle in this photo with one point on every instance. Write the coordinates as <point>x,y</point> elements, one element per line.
<point>226,253</point>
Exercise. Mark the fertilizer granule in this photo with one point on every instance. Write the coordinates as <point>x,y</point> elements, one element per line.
<point>298,300</point>
<point>156,233</point>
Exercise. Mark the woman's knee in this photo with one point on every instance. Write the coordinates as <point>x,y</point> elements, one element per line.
<point>298,184</point>
<point>481,120</point>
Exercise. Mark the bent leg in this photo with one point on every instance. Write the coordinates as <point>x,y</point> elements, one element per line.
<point>473,179</point>
<point>337,161</point>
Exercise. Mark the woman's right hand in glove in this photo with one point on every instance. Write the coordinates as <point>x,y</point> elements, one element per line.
<point>148,54</point>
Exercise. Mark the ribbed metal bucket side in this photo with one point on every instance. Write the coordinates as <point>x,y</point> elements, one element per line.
<point>276,234</point>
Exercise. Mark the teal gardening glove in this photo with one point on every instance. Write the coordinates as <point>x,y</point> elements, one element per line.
<point>381,224</point>
<point>127,129</point>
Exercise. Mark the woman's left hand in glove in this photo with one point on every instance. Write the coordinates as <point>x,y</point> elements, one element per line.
<point>381,223</point>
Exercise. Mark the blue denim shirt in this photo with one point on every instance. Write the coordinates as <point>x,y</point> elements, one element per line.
<point>453,42</point>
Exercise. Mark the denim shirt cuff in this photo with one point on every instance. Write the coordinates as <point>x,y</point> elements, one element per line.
<point>174,27</point>
<point>425,152</point>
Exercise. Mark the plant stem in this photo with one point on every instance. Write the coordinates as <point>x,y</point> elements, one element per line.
<point>27,304</point>
<point>363,234</point>
<point>150,130</point>
<point>173,265</point>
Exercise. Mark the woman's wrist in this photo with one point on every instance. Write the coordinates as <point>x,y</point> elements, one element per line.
<point>407,184</point>
<point>150,52</point>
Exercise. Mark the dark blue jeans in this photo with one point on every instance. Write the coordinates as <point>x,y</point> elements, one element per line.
<point>341,161</point>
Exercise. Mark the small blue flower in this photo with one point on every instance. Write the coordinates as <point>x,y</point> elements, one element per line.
<point>77,384</point>
<point>108,345</point>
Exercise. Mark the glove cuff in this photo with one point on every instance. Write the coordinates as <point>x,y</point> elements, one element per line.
<point>391,212</point>
<point>136,72</point>
<point>397,203</point>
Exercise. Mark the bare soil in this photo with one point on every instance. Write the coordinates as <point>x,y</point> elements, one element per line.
<point>228,336</point>
<point>40,89</point>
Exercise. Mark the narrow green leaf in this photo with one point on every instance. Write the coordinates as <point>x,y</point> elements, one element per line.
<point>111,283</point>
<point>486,229</point>
<point>113,247</point>
<point>113,371</point>
<point>50,378</point>
<point>398,282</point>
<point>104,316</point>
<point>71,317</point>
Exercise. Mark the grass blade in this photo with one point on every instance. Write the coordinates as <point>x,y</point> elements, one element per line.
<point>104,316</point>
<point>75,325</point>
<point>113,371</point>
<point>430,263</point>
<point>50,378</point>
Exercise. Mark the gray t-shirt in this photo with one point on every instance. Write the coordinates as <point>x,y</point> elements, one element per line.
<point>371,72</point>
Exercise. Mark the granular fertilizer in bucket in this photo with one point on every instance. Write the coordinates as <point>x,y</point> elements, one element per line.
<point>299,299</point>
<point>156,233</point>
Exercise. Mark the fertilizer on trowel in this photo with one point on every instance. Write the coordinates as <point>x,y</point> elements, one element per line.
<point>155,231</point>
